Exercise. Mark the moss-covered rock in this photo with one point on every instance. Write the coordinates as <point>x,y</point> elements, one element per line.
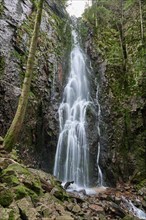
<point>129,217</point>
<point>1,7</point>
<point>27,208</point>
<point>6,197</point>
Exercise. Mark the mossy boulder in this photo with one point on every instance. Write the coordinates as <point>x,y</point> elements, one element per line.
<point>129,217</point>
<point>15,174</point>
<point>7,214</point>
<point>6,197</point>
<point>57,191</point>
<point>27,208</point>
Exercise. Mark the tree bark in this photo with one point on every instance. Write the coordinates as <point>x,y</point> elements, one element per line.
<point>14,130</point>
<point>141,20</point>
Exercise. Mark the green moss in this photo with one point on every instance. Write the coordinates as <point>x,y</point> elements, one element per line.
<point>14,174</point>
<point>128,217</point>
<point>6,198</point>
<point>16,167</point>
<point>20,192</point>
<point>11,215</point>
<point>1,7</point>
<point>2,65</point>
<point>141,184</point>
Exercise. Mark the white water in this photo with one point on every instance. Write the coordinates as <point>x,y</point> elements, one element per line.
<point>72,154</point>
<point>100,175</point>
<point>134,210</point>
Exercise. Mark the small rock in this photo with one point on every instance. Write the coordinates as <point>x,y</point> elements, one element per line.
<point>144,203</point>
<point>127,187</point>
<point>60,208</point>
<point>64,217</point>
<point>142,191</point>
<point>27,208</point>
<point>76,208</point>
<point>69,206</point>
<point>102,217</point>
<point>129,217</point>
<point>97,208</point>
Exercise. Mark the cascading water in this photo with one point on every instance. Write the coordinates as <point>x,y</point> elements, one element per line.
<point>100,175</point>
<point>72,154</point>
<point>133,209</point>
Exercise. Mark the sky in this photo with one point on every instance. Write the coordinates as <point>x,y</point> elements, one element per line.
<point>76,7</point>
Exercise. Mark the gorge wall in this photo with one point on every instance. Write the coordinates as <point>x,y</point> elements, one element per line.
<point>116,46</point>
<point>38,139</point>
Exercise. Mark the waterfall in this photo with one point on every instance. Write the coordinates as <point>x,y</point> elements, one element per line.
<point>100,175</point>
<point>72,154</point>
<point>133,209</point>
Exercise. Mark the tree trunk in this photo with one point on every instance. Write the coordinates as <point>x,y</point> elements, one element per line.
<point>141,20</point>
<point>14,130</point>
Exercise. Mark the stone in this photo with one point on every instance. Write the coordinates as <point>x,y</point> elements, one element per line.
<point>76,209</point>
<point>6,197</point>
<point>102,217</point>
<point>64,217</point>
<point>5,213</point>
<point>59,193</point>
<point>142,191</point>
<point>129,217</point>
<point>96,208</point>
<point>27,208</point>
<point>144,203</point>
<point>59,208</point>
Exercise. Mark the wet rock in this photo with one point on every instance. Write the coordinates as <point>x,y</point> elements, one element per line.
<point>59,193</point>
<point>67,184</point>
<point>117,210</point>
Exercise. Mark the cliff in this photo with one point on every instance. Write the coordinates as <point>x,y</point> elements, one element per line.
<point>115,44</point>
<point>38,139</point>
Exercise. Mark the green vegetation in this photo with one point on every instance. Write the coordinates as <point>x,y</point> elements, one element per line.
<point>116,30</point>
<point>2,65</point>
<point>1,7</point>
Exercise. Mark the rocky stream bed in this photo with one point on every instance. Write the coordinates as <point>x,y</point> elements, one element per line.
<point>31,194</point>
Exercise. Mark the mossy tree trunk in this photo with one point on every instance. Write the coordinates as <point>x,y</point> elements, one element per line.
<point>14,130</point>
<point>141,20</point>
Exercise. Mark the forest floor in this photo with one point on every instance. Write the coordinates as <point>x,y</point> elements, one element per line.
<point>31,194</point>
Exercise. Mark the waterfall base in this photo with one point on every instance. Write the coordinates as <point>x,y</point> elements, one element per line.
<point>87,191</point>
